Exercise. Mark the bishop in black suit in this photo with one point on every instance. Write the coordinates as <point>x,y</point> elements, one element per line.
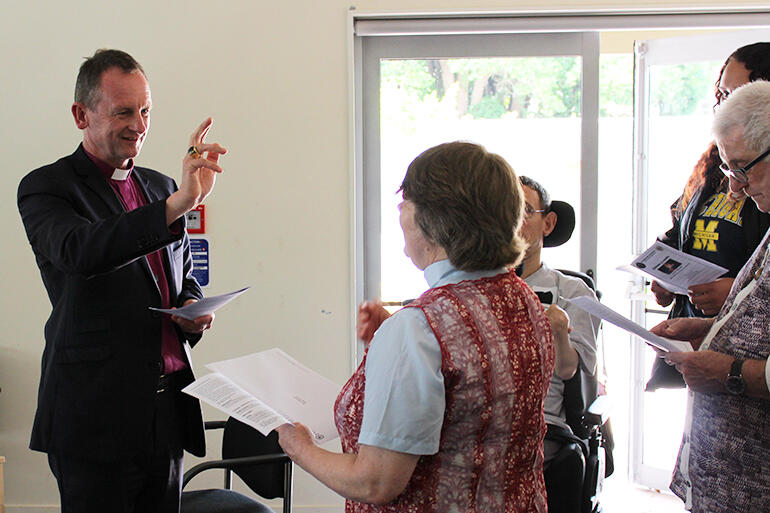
<point>109,239</point>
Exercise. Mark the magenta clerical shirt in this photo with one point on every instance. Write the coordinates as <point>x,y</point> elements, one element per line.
<point>131,196</point>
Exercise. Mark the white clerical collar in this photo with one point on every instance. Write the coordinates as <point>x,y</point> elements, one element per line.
<point>121,174</point>
<point>113,173</point>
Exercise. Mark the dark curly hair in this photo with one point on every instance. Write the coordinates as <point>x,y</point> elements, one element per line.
<point>756,58</point>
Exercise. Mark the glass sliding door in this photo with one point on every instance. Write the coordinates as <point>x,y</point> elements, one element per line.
<point>527,97</point>
<point>675,96</point>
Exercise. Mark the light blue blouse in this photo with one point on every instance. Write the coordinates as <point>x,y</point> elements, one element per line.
<point>404,394</point>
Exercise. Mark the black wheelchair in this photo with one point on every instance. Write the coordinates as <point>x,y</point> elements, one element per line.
<point>574,478</point>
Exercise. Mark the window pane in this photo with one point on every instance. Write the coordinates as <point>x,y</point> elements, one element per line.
<point>681,102</point>
<point>526,109</point>
<point>614,233</point>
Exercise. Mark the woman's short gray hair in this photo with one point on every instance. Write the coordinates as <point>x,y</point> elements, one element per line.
<point>747,109</point>
<point>469,202</point>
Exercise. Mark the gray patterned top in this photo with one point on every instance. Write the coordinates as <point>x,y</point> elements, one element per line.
<point>724,460</point>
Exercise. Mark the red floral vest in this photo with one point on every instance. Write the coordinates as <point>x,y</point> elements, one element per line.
<point>497,360</point>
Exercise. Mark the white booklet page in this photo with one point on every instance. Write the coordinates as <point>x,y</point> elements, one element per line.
<point>597,309</point>
<point>270,388</point>
<point>674,270</point>
<point>203,306</point>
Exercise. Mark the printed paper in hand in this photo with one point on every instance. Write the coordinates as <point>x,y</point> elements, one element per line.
<point>203,306</point>
<point>597,309</point>
<point>270,388</point>
<point>674,270</point>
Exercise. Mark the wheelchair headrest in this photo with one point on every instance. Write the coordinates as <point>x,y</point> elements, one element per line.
<point>565,224</point>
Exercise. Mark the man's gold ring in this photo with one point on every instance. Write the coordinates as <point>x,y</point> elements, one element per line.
<point>193,152</point>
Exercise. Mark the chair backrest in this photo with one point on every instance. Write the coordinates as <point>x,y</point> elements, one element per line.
<point>239,441</point>
<point>580,390</point>
<point>586,278</point>
<point>575,404</point>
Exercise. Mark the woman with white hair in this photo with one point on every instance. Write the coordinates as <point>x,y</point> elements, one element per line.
<point>725,452</point>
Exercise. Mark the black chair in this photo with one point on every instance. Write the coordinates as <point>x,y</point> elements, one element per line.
<point>574,477</point>
<point>588,280</point>
<point>258,460</point>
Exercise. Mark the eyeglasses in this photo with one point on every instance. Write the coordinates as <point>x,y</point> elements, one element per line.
<point>739,175</point>
<point>529,210</point>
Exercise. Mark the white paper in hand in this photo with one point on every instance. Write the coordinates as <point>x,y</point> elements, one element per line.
<point>270,388</point>
<point>597,309</point>
<point>674,270</point>
<point>203,306</point>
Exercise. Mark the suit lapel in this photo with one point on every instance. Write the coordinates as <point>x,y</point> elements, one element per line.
<point>94,180</point>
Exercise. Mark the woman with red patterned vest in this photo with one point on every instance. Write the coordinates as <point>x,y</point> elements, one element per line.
<point>445,412</point>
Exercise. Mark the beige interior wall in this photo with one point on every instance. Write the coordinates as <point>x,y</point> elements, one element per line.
<point>623,41</point>
<point>274,75</point>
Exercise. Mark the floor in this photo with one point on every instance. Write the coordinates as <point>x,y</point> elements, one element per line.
<point>622,496</point>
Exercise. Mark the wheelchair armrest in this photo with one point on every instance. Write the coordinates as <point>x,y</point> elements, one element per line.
<point>599,411</point>
<point>234,462</point>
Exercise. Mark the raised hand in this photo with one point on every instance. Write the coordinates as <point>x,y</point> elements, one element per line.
<point>559,320</point>
<point>199,170</point>
<point>370,315</point>
<point>567,360</point>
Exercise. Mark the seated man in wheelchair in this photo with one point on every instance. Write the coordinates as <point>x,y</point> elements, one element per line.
<point>547,224</point>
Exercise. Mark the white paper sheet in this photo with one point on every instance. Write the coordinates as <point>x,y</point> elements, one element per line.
<point>251,388</point>
<point>674,270</point>
<point>203,306</point>
<point>220,392</point>
<point>594,307</point>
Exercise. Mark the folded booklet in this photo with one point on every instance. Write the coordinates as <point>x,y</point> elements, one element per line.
<point>268,389</point>
<point>674,270</point>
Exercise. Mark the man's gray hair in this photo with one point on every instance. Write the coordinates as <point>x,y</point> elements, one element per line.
<point>747,109</point>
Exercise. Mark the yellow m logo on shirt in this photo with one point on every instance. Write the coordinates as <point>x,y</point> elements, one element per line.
<point>705,235</point>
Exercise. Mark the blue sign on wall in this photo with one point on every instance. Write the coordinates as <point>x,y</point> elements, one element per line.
<point>200,257</point>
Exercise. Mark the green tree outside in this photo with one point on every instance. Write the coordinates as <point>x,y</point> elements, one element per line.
<point>538,87</point>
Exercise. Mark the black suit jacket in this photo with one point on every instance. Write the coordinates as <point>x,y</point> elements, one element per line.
<point>102,353</point>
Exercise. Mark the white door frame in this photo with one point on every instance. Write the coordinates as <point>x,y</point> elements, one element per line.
<point>664,51</point>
